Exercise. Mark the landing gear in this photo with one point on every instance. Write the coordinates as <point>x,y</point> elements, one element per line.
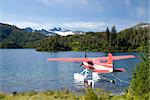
<point>89,83</point>
<point>112,81</point>
<point>89,78</point>
<point>81,76</point>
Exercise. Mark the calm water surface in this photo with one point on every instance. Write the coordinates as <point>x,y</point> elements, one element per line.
<point>27,70</point>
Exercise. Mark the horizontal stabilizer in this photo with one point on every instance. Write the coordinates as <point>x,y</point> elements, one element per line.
<point>119,70</point>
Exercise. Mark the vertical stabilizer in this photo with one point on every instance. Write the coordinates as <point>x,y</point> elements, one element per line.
<point>110,58</point>
<point>110,62</point>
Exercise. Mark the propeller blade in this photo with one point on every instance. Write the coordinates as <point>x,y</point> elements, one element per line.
<point>81,64</point>
<point>85,55</point>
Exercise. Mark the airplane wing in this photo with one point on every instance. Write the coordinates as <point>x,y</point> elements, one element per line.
<point>90,59</point>
<point>123,57</point>
<point>77,59</point>
<point>115,57</point>
<point>70,59</point>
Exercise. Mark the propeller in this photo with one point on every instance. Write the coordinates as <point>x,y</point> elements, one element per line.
<point>85,56</point>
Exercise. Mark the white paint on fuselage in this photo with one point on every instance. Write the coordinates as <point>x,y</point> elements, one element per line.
<point>99,67</point>
<point>86,64</point>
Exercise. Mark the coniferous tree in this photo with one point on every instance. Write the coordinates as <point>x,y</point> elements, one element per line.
<point>140,86</point>
<point>113,31</point>
<point>108,35</point>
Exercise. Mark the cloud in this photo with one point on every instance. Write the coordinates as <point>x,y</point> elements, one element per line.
<point>65,3</point>
<point>69,25</point>
<point>24,24</point>
<point>141,11</point>
<point>85,25</point>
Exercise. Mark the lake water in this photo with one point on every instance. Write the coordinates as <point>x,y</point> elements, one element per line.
<point>27,70</point>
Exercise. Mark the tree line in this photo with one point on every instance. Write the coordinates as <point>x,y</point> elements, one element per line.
<point>132,39</point>
<point>110,40</point>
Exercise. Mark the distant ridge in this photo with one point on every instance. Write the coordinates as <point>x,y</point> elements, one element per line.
<point>14,37</point>
<point>142,25</point>
<point>53,31</point>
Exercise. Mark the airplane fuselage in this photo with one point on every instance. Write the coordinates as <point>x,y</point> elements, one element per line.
<point>99,67</point>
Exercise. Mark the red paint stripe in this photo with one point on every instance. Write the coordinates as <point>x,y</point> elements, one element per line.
<point>102,71</point>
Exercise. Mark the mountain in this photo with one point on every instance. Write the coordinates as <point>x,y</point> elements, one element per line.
<point>42,31</point>
<point>28,29</point>
<point>53,31</point>
<point>137,28</point>
<point>64,32</point>
<point>45,32</point>
<point>142,25</point>
<point>13,37</point>
<point>135,37</point>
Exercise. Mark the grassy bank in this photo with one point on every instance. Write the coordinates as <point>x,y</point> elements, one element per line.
<point>90,94</point>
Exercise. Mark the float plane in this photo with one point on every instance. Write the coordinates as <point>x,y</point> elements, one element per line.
<point>96,65</point>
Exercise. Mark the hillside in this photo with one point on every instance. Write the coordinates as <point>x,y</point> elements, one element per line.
<point>135,37</point>
<point>13,37</point>
<point>131,39</point>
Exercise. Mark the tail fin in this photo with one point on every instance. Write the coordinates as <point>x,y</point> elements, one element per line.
<point>110,59</point>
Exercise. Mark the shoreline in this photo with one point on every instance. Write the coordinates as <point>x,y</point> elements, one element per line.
<point>80,50</point>
<point>60,94</point>
<point>79,92</point>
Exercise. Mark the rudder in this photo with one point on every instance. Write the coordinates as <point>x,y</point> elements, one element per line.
<point>110,58</point>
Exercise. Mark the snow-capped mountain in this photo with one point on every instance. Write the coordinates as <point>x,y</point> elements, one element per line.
<point>45,32</point>
<point>142,25</point>
<point>28,29</point>
<point>42,31</point>
<point>64,32</point>
<point>54,31</point>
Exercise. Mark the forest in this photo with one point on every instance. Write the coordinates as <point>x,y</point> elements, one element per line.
<point>131,39</point>
<point>13,37</point>
<point>110,40</point>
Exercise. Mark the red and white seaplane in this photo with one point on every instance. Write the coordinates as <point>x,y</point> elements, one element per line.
<point>97,66</point>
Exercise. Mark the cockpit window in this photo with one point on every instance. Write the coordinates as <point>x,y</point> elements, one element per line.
<point>103,61</point>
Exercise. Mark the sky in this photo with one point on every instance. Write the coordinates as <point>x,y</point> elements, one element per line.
<point>83,15</point>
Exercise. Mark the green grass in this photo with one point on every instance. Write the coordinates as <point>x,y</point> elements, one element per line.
<point>90,94</point>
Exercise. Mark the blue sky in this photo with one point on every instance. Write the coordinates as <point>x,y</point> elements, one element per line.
<point>84,15</point>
